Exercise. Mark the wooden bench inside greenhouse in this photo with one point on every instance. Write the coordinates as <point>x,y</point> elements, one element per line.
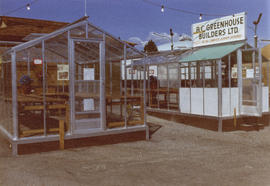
<point>132,101</point>
<point>60,118</point>
<point>56,106</point>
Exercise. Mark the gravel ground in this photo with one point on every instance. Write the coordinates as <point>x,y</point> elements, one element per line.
<point>176,155</point>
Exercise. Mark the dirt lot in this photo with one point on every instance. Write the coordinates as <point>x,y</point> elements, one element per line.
<point>176,155</point>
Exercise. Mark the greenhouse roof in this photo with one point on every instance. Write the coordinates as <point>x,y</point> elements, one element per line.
<point>191,55</point>
<point>81,29</point>
<point>162,57</point>
<point>211,52</point>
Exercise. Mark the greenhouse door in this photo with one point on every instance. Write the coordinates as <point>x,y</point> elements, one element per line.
<point>251,83</point>
<point>85,82</point>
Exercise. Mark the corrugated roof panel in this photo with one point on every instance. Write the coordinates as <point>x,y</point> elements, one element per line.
<point>211,53</point>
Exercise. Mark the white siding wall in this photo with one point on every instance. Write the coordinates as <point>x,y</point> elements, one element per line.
<point>210,100</point>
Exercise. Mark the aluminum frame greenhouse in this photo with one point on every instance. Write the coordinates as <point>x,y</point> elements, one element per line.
<point>71,75</point>
<point>221,82</point>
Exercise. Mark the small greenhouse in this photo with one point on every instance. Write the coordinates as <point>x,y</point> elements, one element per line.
<point>70,76</point>
<point>224,81</point>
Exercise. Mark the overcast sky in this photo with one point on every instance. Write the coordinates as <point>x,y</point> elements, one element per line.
<point>137,19</point>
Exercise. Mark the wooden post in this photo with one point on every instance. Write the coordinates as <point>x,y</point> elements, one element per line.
<point>61,134</point>
<point>67,117</point>
<point>121,105</point>
<point>110,101</point>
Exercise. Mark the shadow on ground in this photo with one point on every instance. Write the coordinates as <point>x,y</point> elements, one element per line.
<point>153,128</point>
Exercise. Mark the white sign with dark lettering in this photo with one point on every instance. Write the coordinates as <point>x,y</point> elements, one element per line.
<point>221,30</point>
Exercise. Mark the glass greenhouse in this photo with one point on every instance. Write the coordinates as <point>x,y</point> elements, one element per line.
<point>71,75</point>
<point>223,81</point>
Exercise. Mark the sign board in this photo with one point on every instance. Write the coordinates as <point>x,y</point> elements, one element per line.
<point>250,73</point>
<point>38,61</point>
<point>220,30</point>
<point>234,72</point>
<point>88,74</point>
<point>88,104</point>
<point>62,72</point>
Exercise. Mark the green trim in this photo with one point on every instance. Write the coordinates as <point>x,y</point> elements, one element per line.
<point>211,53</point>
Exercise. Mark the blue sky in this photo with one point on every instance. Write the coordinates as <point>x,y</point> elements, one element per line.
<point>136,18</point>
